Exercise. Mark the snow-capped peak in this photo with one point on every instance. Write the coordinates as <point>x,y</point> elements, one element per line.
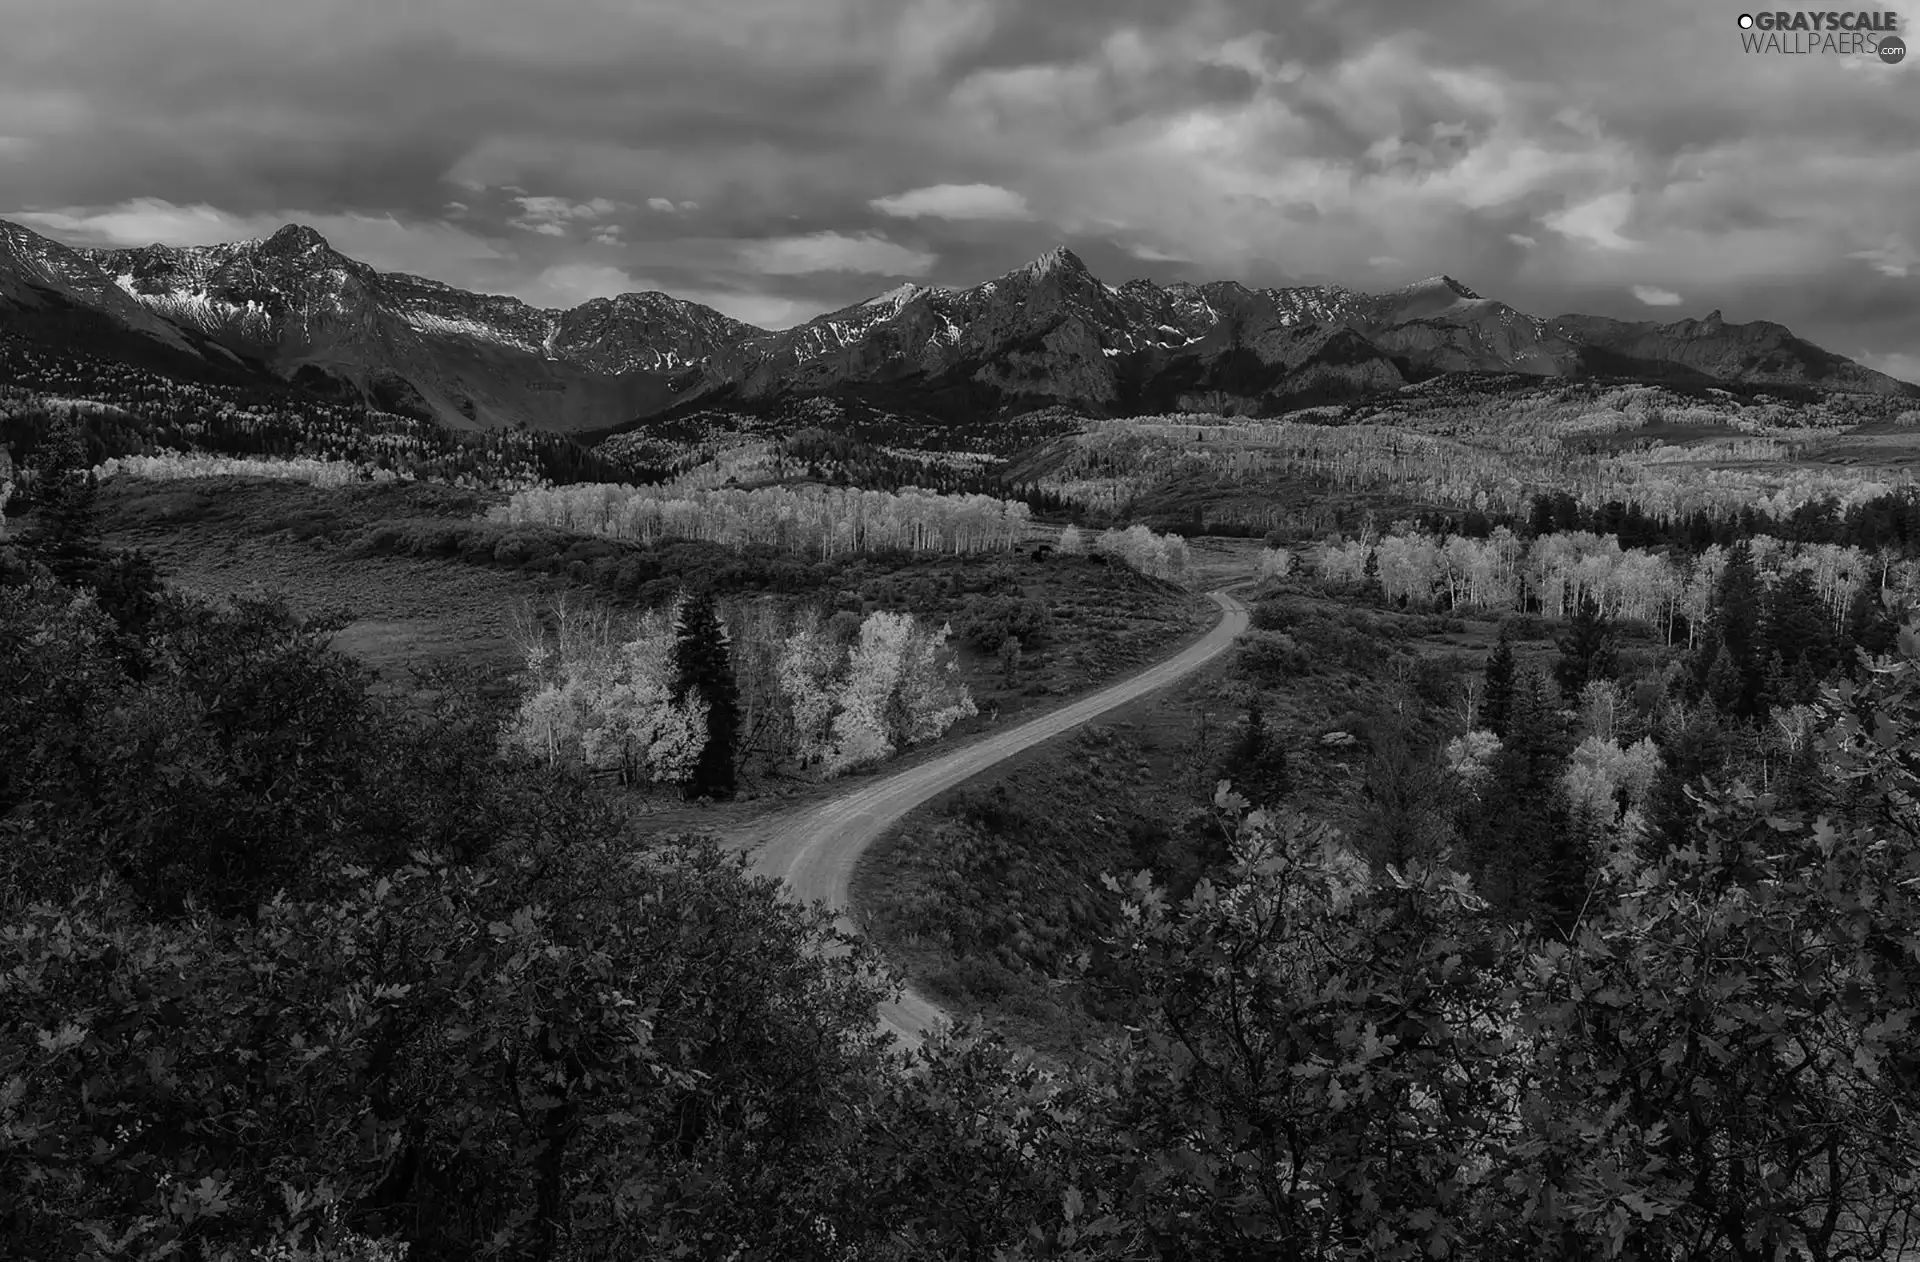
<point>1439,282</point>
<point>296,238</point>
<point>897,297</point>
<point>1058,259</point>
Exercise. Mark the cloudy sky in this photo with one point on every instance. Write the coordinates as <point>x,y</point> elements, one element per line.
<point>778,158</point>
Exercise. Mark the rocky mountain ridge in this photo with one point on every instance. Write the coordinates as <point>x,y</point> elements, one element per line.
<point>1046,333</point>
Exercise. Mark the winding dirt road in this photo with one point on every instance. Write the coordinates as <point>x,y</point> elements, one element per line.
<point>815,851</point>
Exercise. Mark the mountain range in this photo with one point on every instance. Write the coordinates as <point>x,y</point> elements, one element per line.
<point>1047,333</point>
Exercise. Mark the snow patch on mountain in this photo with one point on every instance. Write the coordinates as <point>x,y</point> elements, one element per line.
<point>203,311</point>
<point>480,331</point>
<point>895,298</point>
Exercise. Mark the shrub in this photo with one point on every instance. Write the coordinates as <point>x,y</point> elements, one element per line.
<point>1436,680</point>
<point>990,621</point>
<point>1637,629</point>
<point>1272,657</point>
<point>478,548</point>
<point>1358,646</point>
<point>1524,626</point>
<point>1273,615</point>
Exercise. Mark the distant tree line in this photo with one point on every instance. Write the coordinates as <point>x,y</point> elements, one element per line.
<point>1885,522</point>
<point>371,440</point>
<point>1553,574</point>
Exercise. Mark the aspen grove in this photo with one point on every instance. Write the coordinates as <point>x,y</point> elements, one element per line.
<point>602,698</point>
<point>1553,573</point>
<point>829,521</point>
<point>173,465</point>
<point>1160,556</point>
<point>813,700</point>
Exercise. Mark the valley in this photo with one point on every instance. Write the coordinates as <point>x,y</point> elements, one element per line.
<point>958,632</point>
<point>1084,731</point>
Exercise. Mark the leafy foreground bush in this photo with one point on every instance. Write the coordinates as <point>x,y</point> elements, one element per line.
<point>560,1053</point>
<point>221,754</point>
<point>281,975</point>
<point>1717,1062</point>
<point>276,966</point>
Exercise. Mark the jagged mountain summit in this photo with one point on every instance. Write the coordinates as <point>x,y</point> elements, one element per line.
<point>1045,333</point>
<point>291,305</point>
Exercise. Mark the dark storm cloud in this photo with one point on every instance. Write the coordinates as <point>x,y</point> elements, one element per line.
<point>782,159</point>
<point>1878,317</point>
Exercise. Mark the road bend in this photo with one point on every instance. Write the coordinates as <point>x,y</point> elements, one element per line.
<point>815,851</point>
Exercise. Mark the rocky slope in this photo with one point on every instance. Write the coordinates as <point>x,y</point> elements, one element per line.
<point>1759,352</point>
<point>1047,333</point>
<point>36,273</point>
<point>291,305</point>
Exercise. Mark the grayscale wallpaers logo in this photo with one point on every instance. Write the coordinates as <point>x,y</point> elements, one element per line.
<point>1847,34</point>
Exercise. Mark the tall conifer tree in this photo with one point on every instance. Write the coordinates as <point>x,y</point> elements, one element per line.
<point>1257,764</point>
<point>1587,651</point>
<point>1519,839</point>
<point>66,492</point>
<point>1736,617</point>
<point>1870,627</point>
<point>1797,627</point>
<point>1497,703</point>
<point>703,663</point>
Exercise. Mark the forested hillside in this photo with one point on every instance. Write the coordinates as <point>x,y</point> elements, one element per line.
<point>1484,452</point>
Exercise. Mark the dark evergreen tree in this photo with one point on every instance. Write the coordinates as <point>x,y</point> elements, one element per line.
<point>1497,703</point>
<point>67,538</point>
<point>1802,684</point>
<point>1402,812</point>
<point>1736,618</point>
<point>66,541</point>
<point>1540,516</point>
<point>1776,686</point>
<point>1564,868</point>
<point>1251,745</point>
<point>1519,829</point>
<point>1587,651</point>
<point>1370,588</point>
<point>1797,628</point>
<point>1697,749</point>
<point>1699,663</point>
<point>1257,764</point>
<point>703,664</point>
<point>1724,687</point>
<point>1870,626</point>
